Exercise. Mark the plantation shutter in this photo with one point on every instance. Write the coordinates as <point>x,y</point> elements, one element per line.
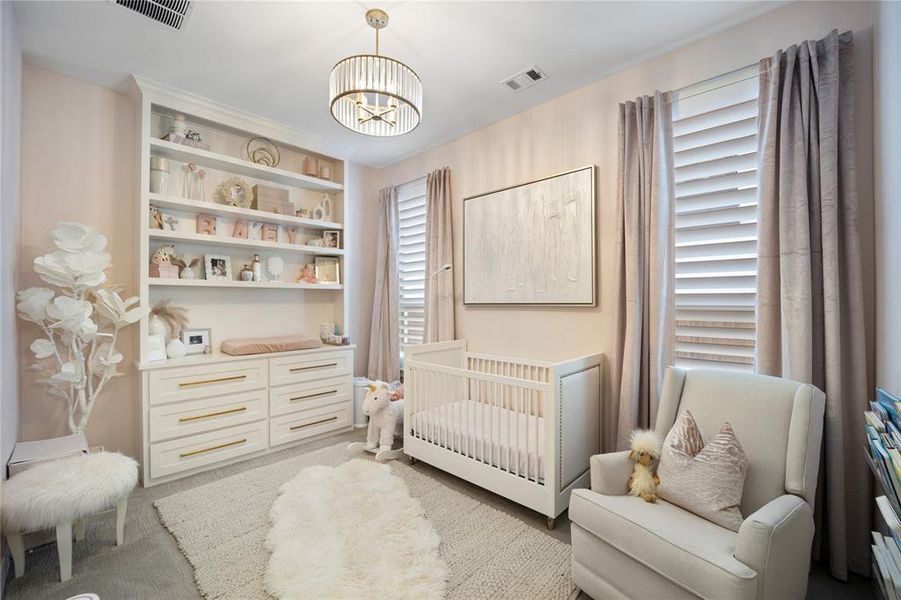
<point>715,147</point>
<point>411,260</point>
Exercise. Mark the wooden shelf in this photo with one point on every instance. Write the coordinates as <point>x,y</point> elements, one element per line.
<point>237,166</point>
<point>215,240</point>
<point>235,212</point>
<point>263,285</point>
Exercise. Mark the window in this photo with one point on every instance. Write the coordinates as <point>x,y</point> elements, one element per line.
<point>411,261</point>
<point>715,148</point>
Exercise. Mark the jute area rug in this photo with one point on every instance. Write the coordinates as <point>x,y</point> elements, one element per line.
<point>221,527</point>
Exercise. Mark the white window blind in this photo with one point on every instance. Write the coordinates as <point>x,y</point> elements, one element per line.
<point>715,147</point>
<point>411,260</point>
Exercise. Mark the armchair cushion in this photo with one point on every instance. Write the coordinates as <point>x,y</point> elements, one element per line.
<point>610,473</point>
<point>691,552</point>
<point>775,541</point>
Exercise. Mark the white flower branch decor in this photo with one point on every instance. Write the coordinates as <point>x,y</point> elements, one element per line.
<point>77,349</point>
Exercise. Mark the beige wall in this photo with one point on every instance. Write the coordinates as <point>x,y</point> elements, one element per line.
<point>77,165</point>
<point>887,95</point>
<point>580,128</point>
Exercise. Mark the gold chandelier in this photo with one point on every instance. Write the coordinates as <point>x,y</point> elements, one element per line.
<point>375,95</point>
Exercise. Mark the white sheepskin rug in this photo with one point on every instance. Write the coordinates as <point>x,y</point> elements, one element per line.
<point>352,531</point>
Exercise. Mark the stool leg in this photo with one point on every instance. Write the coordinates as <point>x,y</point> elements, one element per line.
<point>64,547</point>
<point>17,548</point>
<point>120,521</point>
<point>79,530</point>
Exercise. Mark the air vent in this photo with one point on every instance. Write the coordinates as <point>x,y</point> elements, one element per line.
<point>525,79</point>
<point>171,13</point>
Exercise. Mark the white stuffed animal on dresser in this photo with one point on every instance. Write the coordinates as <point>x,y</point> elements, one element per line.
<point>386,420</point>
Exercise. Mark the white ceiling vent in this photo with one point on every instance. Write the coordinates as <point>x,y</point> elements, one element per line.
<point>525,79</point>
<point>171,13</point>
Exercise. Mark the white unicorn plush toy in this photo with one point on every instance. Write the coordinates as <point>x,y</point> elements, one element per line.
<point>386,420</point>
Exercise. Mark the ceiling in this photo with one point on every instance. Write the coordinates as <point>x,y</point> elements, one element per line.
<point>274,58</point>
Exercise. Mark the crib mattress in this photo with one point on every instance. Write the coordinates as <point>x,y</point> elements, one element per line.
<point>491,434</point>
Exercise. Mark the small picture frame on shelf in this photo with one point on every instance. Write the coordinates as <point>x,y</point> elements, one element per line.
<point>217,267</point>
<point>331,238</point>
<point>197,341</point>
<point>328,269</point>
<point>156,348</point>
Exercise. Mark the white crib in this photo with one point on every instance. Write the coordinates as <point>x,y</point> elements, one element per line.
<point>523,429</point>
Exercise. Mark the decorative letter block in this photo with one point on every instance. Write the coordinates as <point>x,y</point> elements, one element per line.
<point>206,224</point>
<point>240,230</point>
<point>270,232</point>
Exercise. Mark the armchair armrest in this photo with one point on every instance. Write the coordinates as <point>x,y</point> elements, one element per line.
<point>775,542</point>
<point>610,473</point>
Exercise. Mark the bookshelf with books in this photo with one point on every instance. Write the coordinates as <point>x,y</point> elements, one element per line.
<point>883,435</point>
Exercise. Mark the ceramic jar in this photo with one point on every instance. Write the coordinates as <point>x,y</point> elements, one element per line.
<point>159,175</point>
<point>246,273</point>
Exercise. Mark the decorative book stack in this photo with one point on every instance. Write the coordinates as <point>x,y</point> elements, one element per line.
<point>884,457</point>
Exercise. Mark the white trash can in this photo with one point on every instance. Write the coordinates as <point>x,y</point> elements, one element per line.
<point>361,385</point>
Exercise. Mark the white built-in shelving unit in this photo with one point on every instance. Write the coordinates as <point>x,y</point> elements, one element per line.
<point>202,411</point>
<point>229,307</point>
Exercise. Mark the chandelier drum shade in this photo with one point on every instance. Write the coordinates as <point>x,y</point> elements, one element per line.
<point>373,94</point>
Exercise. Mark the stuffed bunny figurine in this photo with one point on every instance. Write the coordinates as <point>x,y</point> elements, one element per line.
<point>386,418</point>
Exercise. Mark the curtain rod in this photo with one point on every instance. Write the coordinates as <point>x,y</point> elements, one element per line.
<point>712,79</point>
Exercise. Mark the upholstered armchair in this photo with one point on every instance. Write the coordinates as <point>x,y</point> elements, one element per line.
<point>624,547</point>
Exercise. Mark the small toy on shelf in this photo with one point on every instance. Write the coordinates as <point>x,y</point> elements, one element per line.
<point>308,275</point>
<point>156,218</point>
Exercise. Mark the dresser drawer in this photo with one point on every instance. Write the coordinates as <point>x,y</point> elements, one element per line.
<point>308,367</point>
<point>202,381</point>
<point>204,449</point>
<point>196,416</point>
<point>301,425</point>
<point>302,396</point>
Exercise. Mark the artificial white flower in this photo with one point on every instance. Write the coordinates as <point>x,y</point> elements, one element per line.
<point>33,303</point>
<point>75,237</point>
<point>112,308</point>
<point>71,315</point>
<point>68,373</point>
<point>73,271</point>
<point>42,348</point>
<point>103,365</point>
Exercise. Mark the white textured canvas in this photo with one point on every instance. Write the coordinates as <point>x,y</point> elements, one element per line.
<point>532,243</point>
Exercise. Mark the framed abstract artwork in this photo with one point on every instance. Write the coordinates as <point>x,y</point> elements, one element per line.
<point>532,243</point>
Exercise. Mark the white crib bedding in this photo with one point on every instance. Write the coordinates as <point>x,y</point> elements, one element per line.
<point>487,433</point>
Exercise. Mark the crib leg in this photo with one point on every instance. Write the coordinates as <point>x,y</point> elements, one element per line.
<point>551,523</point>
<point>412,460</point>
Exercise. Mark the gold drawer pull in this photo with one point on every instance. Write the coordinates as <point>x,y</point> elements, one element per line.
<point>208,381</point>
<point>334,364</point>
<point>215,414</point>
<point>308,396</point>
<point>219,447</point>
<point>319,422</point>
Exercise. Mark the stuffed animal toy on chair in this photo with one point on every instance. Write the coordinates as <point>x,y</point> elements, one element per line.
<point>645,450</point>
<point>386,420</point>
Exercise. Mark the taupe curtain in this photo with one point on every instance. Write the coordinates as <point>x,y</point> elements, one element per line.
<point>439,251</point>
<point>645,196</point>
<point>384,340</point>
<point>810,319</point>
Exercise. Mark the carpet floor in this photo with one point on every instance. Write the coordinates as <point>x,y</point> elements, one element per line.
<point>150,566</point>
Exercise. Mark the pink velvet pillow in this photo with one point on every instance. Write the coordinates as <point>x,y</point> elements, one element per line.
<point>704,479</point>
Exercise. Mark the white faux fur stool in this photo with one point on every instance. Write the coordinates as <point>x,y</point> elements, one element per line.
<point>62,493</point>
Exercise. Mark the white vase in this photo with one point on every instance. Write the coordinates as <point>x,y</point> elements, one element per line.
<point>186,273</point>
<point>175,349</point>
<point>157,326</point>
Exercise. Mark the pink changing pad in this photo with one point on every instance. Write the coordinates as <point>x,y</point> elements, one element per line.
<point>268,345</point>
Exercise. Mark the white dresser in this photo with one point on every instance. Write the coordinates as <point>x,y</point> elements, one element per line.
<point>200,413</point>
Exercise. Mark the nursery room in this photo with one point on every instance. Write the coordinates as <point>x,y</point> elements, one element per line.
<point>450,300</point>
